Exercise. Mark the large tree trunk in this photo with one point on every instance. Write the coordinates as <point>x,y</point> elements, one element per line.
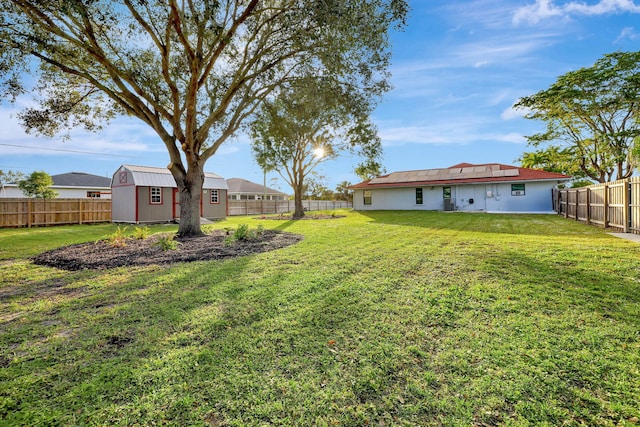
<point>190,190</point>
<point>297,197</point>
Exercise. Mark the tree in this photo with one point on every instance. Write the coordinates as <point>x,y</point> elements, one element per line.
<point>192,71</point>
<point>592,119</point>
<point>315,187</point>
<point>313,120</point>
<point>343,192</point>
<point>10,176</point>
<point>37,185</point>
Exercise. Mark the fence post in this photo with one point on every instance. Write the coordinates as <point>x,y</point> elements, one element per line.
<point>625,203</point>
<point>606,205</point>
<point>79,211</point>
<point>29,209</point>
<point>588,205</point>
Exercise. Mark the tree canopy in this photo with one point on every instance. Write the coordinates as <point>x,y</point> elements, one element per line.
<point>312,121</point>
<point>192,71</point>
<point>38,184</point>
<point>592,120</point>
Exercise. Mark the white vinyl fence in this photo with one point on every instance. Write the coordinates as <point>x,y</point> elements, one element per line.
<point>264,207</point>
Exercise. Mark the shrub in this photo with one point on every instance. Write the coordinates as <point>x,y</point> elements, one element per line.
<point>141,233</point>
<point>167,243</point>
<point>118,238</point>
<point>243,233</point>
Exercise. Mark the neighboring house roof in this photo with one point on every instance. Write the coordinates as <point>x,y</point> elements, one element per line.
<point>148,176</point>
<point>80,179</point>
<point>243,186</point>
<point>462,173</point>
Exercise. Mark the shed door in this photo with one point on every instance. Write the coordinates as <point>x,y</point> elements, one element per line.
<point>176,203</point>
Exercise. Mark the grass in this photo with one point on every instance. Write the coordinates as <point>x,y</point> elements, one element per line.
<point>381,318</point>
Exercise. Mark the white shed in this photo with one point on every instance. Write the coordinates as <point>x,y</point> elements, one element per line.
<point>149,194</point>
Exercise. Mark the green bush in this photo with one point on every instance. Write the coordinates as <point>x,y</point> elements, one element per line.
<point>141,233</point>
<point>167,243</point>
<point>243,232</point>
<point>118,238</point>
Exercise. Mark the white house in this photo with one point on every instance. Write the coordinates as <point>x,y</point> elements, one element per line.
<point>143,194</point>
<point>242,189</point>
<point>462,187</point>
<point>72,185</point>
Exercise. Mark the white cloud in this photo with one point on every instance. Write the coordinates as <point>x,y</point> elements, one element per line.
<point>453,131</point>
<point>512,113</point>
<point>512,137</point>
<point>545,9</point>
<point>121,137</point>
<point>627,33</point>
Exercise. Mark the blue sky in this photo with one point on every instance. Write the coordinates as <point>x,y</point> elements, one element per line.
<point>457,70</point>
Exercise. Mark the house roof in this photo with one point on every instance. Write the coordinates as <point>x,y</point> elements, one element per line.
<point>462,173</point>
<point>148,176</point>
<point>80,179</point>
<point>243,186</point>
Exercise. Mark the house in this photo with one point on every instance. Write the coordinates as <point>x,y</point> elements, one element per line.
<point>462,187</point>
<point>72,185</point>
<point>143,194</point>
<point>241,189</point>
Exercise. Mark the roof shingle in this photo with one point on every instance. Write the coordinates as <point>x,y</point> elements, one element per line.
<point>462,173</point>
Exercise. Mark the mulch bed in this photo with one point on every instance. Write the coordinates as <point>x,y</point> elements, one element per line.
<point>104,255</point>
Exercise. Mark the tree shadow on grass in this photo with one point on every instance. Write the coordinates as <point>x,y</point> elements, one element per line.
<point>199,330</point>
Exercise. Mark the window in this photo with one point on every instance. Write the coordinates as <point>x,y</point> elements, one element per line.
<point>214,196</point>
<point>418,196</point>
<point>517,189</point>
<point>446,192</point>
<point>367,197</point>
<point>93,194</point>
<point>155,195</point>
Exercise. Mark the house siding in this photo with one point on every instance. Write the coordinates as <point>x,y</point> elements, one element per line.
<point>490,197</point>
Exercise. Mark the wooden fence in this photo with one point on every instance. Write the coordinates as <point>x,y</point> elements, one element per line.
<point>264,207</point>
<point>38,212</point>
<point>611,205</point>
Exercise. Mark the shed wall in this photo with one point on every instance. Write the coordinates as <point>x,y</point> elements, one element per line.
<point>123,204</point>
<point>214,210</point>
<point>148,212</point>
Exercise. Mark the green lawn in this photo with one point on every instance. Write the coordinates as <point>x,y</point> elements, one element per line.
<point>374,319</point>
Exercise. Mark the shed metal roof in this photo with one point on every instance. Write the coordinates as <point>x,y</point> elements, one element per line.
<point>148,176</point>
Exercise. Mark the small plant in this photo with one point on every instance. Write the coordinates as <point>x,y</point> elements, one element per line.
<point>141,233</point>
<point>243,233</point>
<point>118,238</point>
<point>166,243</point>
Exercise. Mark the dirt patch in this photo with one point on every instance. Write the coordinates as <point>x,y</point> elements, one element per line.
<point>103,255</point>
